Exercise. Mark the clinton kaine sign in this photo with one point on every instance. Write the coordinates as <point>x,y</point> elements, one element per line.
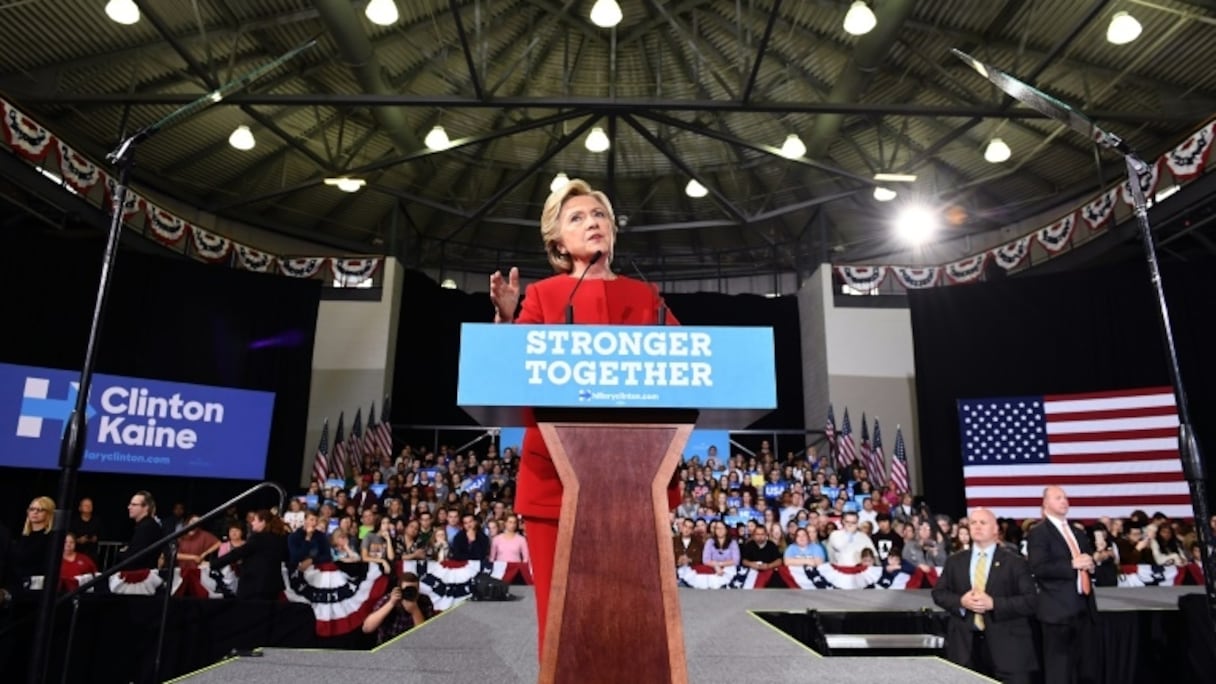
<point>616,366</point>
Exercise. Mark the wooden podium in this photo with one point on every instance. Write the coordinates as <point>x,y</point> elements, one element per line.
<point>614,613</point>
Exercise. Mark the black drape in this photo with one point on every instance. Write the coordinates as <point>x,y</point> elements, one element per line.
<point>169,318</point>
<point>428,346</point>
<point>1079,331</point>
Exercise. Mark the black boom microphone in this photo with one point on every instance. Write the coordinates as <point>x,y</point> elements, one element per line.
<point>595,258</point>
<point>662,313</point>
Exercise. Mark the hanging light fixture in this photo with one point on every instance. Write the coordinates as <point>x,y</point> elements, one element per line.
<point>695,189</point>
<point>860,20</point>
<point>997,151</point>
<point>1123,29</point>
<point>242,138</point>
<point>122,11</point>
<point>382,12</point>
<point>597,140</point>
<point>559,181</point>
<point>346,184</point>
<point>884,194</point>
<point>793,147</point>
<point>437,139</point>
<point>606,13</point>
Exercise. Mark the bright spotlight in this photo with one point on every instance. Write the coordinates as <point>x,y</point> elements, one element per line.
<point>916,225</point>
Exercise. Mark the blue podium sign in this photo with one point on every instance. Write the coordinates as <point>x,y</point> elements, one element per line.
<point>599,366</point>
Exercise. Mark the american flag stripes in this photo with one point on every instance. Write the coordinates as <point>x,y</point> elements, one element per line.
<point>899,462</point>
<point>878,474</point>
<point>371,443</point>
<point>384,431</point>
<point>869,459</point>
<point>354,448</point>
<point>320,464</point>
<point>1112,452</point>
<point>846,450</point>
<point>339,460</point>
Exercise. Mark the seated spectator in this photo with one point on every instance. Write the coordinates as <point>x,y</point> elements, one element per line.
<point>341,549</point>
<point>377,546</point>
<point>438,549</point>
<point>399,611</point>
<point>294,517</point>
<point>235,537</point>
<point>926,551</point>
<point>471,544</point>
<point>687,546</point>
<point>758,553</point>
<point>721,552</point>
<point>74,564</point>
<point>1166,549</point>
<point>844,545</point>
<point>509,546</point>
<point>195,545</point>
<point>308,545</point>
<point>805,551</point>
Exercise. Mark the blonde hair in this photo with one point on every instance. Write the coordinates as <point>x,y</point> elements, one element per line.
<point>551,225</point>
<point>47,504</point>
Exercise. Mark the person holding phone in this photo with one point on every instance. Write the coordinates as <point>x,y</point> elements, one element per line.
<point>399,611</point>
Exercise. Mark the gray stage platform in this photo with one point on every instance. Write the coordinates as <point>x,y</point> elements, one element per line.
<point>496,643</point>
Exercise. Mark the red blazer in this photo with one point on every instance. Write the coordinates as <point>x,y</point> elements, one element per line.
<point>620,301</point>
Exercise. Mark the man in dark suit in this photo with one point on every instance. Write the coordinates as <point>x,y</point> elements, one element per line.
<point>1061,558</point>
<point>990,597</point>
<point>688,546</point>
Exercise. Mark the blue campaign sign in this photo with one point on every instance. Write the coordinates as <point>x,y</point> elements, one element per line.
<point>706,444</point>
<point>616,366</point>
<point>135,425</point>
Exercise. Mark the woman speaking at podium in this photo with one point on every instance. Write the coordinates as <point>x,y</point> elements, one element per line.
<point>578,229</point>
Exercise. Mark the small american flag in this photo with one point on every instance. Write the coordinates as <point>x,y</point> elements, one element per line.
<point>846,450</point>
<point>878,474</point>
<point>829,431</point>
<point>384,431</point>
<point>354,446</point>
<point>320,464</point>
<point>1112,452</point>
<point>899,462</point>
<point>339,456</point>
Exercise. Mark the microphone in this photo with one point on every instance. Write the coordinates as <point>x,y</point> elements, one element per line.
<point>599,254</point>
<point>662,314</point>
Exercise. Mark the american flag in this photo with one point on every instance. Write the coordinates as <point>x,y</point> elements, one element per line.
<point>1112,452</point>
<point>899,462</point>
<point>878,474</point>
<point>829,431</point>
<point>867,451</point>
<point>371,444</point>
<point>339,456</point>
<point>846,450</point>
<point>384,431</point>
<point>320,464</point>
<point>354,447</point>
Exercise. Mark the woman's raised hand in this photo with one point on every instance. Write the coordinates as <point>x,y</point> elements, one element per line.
<point>504,293</point>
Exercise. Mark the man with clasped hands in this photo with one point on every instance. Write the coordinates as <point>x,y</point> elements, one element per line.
<point>990,596</point>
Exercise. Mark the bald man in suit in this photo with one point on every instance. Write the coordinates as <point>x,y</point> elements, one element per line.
<point>990,596</point>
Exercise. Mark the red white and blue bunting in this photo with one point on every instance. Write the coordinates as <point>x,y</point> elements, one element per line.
<point>1098,211</point>
<point>251,259</point>
<point>353,271</point>
<point>132,202</point>
<point>1189,159</point>
<point>915,278</point>
<point>825,576</point>
<point>862,278</point>
<point>164,226</point>
<point>1058,235</point>
<point>1148,183</point>
<point>1011,254</point>
<point>24,135</point>
<point>209,246</point>
<point>77,171</point>
<point>301,267</point>
<point>967,270</point>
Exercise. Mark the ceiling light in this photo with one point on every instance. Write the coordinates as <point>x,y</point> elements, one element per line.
<point>1123,29</point>
<point>884,194</point>
<point>695,189</point>
<point>448,284</point>
<point>382,12</point>
<point>793,147</point>
<point>559,181</point>
<point>242,138</point>
<point>860,20</point>
<point>122,11</point>
<point>915,225</point>
<point>597,140</point>
<point>346,184</point>
<point>895,177</point>
<point>437,139</point>
<point>606,13</point>
<point>997,151</point>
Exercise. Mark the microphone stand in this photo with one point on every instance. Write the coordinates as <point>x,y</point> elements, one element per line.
<point>71,452</point>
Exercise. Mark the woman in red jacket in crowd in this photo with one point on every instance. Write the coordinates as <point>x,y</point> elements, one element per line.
<point>578,229</point>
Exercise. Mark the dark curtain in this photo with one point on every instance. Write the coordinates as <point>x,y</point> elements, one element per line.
<point>1079,331</point>
<point>169,318</point>
<point>428,346</point>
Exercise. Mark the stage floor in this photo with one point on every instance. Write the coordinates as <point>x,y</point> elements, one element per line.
<point>496,642</point>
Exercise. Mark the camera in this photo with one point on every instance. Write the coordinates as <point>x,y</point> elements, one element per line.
<point>409,593</point>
